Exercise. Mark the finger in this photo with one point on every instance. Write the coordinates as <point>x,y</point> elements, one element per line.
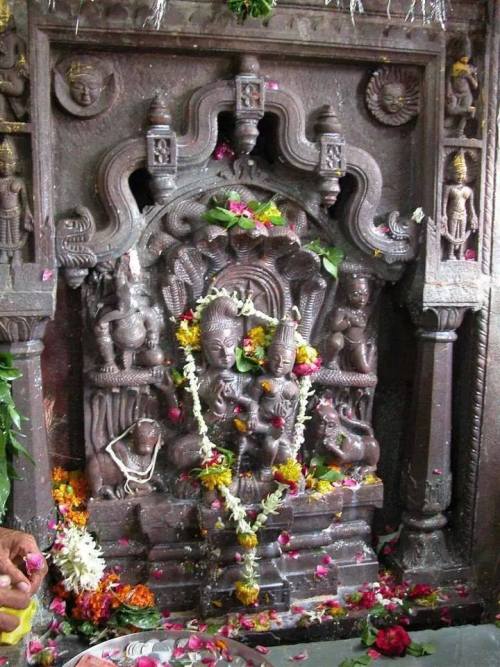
<point>5,581</point>
<point>7,567</point>
<point>8,622</point>
<point>37,578</point>
<point>10,597</point>
<point>23,544</point>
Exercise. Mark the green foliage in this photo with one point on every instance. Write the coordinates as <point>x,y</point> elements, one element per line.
<point>320,470</point>
<point>249,213</point>
<point>253,8</point>
<point>331,257</point>
<point>360,661</point>
<point>419,650</point>
<point>245,364</point>
<point>126,616</point>
<point>10,423</point>
<point>368,635</point>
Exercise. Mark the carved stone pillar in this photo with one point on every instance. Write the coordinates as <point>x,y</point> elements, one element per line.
<point>423,553</point>
<point>31,505</point>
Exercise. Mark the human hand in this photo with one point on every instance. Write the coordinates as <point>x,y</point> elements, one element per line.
<point>15,546</point>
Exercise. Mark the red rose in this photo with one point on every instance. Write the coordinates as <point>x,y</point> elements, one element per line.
<point>420,591</point>
<point>392,641</point>
<point>368,600</point>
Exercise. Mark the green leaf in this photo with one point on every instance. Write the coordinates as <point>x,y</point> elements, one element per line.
<point>318,461</point>
<point>368,635</point>
<point>20,449</point>
<point>233,196</point>
<point>5,395</point>
<point>335,255</point>
<point>316,246</point>
<point>9,374</point>
<point>419,650</point>
<point>14,415</point>
<point>277,220</point>
<point>245,223</point>
<point>360,661</point>
<point>228,454</point>
<point>330,267</point>
<point>219,215</point>
<point>332,476</point>
<point>243,363</point>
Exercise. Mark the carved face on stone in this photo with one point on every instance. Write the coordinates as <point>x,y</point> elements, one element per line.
<point>393,97</point>
<point>221,330</point>
<point>328,420</point>
<point>145,437</point>
<point>358,292</point>
<point>85,84</point>
<point>220,347</point>
<point>280,359</point>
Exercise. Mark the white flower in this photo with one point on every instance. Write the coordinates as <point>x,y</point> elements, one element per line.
<point>79,559</point>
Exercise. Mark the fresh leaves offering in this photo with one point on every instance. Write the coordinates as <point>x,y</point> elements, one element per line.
<point>232,212</point>
<point>10,423</point>
<point>360,661</point>
<point>331,257</point>
<point>246,364</point>
<point>320,470</point>
<point>253,8</point>
<point>419,650</point>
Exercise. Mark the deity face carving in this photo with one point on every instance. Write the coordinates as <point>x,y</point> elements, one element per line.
<point>358,292</point>
<point>393,97</point>
<point>219,347</point>
<point>85,88</point>
<point>7,167</point>
<point>145,437</point>
<point>280,359</point>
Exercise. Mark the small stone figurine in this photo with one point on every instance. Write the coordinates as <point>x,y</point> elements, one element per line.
<point>126,328</point>
<point>461,87</point>
<point>13,68</point>
<point>459,218</point>
<point>274,400</point>
<point>15,214</point>
<point>127,466</point>
<point>348,328</point>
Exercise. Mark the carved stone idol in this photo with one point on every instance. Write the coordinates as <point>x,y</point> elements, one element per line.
<point>15,215</point>
<point>274,400</point>
<point>461,87</point>
<point>342,439</point>
<point>393,95</point>
<point>125,329</point>
<point>85,86</point>
<point>459,218</point>
<point>127,466</point>
<point>347,346</point>
<point>13,68</point>
<point>221,387</point>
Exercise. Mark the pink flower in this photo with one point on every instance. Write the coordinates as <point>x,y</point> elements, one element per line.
<point>174,415</point>
<point>278,422</point>
<point>437,471</point>
<point>284,538</point>
<point>157,574</point>
<point>239,208</point>
<point>307,369</point>
<point>238,557</point>
<point>173,626</point>
<point>321,572</point>
<point>146,661</point>
<point>359,556</point>
<point>297,609</point>
<point>179,652</point>
<point>195,643</point>
<point>123,541</point>
<point>47,275</point>
<point>52,525</point>
<point>470,255</point>
<point>216,504</point>
<point>34,563</point>
<point>349,482</point>
<point>165,613</point>
<point>293,554</point>
<point>4,660</point>
<point>374,654</point>
<point>35,646</point>
<point>327,560</point>
<point>262,649</point>
<point>223,150</point>
<point>300,657</point>
<point>58,606</point>
<point>271,85</point>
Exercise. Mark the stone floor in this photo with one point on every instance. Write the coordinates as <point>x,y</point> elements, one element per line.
<point>466,646</point>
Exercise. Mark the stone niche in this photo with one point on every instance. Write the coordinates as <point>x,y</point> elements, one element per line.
<point>145,136</point>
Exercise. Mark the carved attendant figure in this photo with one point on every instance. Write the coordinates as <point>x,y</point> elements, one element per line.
<point>393,95</point>
<point>127,327</point>
<point>85,82</point>
<point>348,326</point>
<point>343,439</point>
<point>15,214</point>
<point>461,86</point>
<point>274,396</point>
<point>13,68</point>
<point>127,466</point>
<point>459,218</point>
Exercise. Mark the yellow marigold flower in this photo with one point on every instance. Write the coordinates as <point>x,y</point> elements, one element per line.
<point>336,611</point>
<point>371,478</point>
<point>189,335</point>
<point>266,386</point>
<point>248,540</point>
<point>213,479</point>
<point>270,211</point>
<point>247,594</point>
<point>59,475</point>
<point>290,471</point>
<point>306,354</point>
<point>240,425</point>
<point>322,486</point>
<point>257,335</point>
<point>78,518</point>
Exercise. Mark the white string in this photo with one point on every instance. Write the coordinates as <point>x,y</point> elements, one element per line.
<point>137,476</point>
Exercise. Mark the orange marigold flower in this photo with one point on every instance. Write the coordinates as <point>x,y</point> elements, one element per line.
<point>59,475</point>
<point>79,518</point>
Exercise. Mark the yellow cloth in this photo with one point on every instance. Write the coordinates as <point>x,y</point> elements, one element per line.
<point>25,618</point>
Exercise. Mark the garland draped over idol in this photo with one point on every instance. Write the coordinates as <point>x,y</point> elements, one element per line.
<point>216,472</point>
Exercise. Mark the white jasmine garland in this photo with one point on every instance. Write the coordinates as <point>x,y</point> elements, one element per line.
<point>79,559</point>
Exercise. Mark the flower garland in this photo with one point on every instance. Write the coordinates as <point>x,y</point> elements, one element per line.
<point>216,472</point>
